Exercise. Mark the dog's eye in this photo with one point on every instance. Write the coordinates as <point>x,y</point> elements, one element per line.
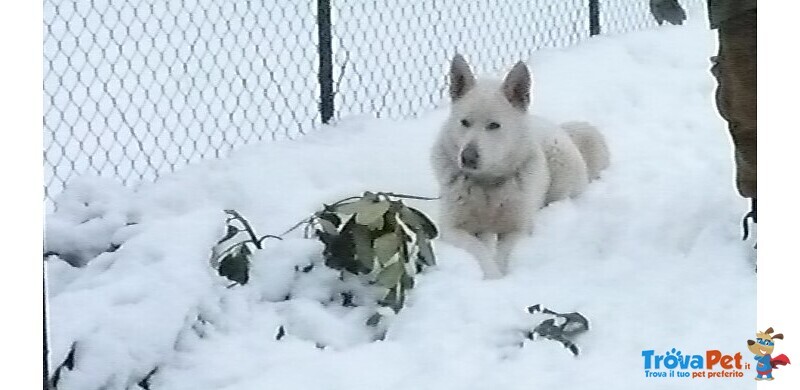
<point>493,126</point>
<point>465,123</point>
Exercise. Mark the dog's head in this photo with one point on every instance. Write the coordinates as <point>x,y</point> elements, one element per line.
<point>764,343</point>
<point>488,119</point>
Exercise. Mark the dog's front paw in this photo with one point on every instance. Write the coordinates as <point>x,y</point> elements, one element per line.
<point>492,272</point>
<point>491,269</point>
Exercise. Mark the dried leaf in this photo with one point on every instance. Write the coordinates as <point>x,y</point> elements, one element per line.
<point>245,250</point>
<point>377,224</point>
<point>389,277</point>
<point>330,217</point>
<point>370,196</point>
<point>374,319</point>
<point>394,299</point>
<point>232,230</point>
<point>385,247</point>
<point>425,254</point>
<point>369,213</point>
<point>418,222</point>
<point>363,246</point>
<point>339,250</point>
<point>328,227</point>
<point>281,333</point>
<point>235,267</point>
<point>352,207</point>
<point>407,282</point>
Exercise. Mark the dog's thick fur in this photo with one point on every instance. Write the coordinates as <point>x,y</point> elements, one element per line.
<point>497,165</point>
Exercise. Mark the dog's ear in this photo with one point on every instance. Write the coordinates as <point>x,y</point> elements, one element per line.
<point>769,330</point>
<point>461,77</point>
<point>778,336</point>
<point>517,86</point>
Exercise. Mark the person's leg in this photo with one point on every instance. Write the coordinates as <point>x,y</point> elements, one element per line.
<point>735,70</point>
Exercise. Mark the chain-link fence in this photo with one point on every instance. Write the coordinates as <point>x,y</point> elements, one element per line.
<point>133,89</point>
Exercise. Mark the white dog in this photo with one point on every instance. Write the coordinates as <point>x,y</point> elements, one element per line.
<point>497,165</point>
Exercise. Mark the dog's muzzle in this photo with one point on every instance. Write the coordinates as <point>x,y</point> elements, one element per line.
<point>470,157</point>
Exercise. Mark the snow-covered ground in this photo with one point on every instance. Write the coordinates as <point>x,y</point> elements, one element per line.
<point>651,253</point>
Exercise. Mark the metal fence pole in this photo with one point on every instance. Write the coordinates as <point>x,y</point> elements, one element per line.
<point>325,60</point>
<point>594,17</point>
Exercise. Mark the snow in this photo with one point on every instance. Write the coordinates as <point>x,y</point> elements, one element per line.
<point>651,253</point>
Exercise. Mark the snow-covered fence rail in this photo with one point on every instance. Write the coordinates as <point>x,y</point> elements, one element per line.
<point>133,89</point>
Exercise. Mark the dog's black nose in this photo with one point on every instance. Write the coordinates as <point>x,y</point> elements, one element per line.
<point>470,157</point>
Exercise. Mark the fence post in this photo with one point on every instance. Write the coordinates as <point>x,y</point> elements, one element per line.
<point>594,17</point>
<point>325,60</point>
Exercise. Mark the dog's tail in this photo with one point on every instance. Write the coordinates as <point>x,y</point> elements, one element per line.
<point>591,144</point>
